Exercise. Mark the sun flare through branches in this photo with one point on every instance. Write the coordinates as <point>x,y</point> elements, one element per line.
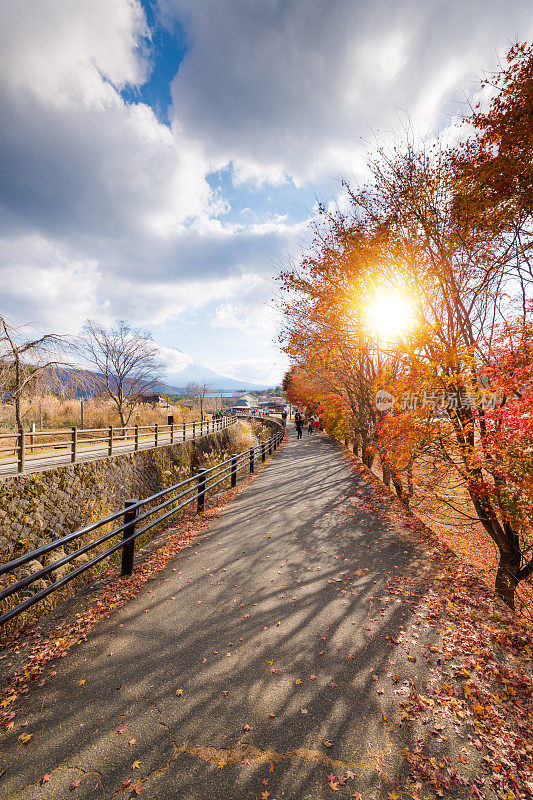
<point>389,315</point>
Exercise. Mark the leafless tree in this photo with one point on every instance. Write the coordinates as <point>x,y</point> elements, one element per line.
<point>125,362</point>
<point>27,360</point>
<point>198,391</point>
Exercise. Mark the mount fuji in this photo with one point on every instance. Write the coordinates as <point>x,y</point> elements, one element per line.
<point>181,369</point>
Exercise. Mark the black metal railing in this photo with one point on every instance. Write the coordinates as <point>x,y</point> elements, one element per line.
<point>20,450</point>
<point>135,512</point>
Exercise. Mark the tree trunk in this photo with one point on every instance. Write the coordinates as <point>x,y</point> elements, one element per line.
<point>507,541</point>
<point>367,456</point>
<point>410,484</point>
<point>17,394</point>
<point>506,580</point>
<point>18,415</point>
<point>122,421</point>
<point>398,487</point>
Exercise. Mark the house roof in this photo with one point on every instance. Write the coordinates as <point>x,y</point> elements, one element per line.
<point>248,398</point>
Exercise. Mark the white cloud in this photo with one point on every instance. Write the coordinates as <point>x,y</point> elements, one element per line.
<point>250,314</point>
<point>289,90</point>
<point>105,211</point>
<point>267,371</point>
<point>174,360</point>
<point>45,283</point>
<point>72,54</point>
<point>79,161</point>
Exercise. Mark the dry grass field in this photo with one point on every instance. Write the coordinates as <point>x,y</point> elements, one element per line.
<point>55,413</point>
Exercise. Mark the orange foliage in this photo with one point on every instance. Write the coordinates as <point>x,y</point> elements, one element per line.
<point>448,230</point>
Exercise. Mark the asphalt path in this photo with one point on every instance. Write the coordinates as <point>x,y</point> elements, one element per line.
<point>254,656</point>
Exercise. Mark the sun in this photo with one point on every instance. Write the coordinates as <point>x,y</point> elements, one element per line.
<point>390,315</point>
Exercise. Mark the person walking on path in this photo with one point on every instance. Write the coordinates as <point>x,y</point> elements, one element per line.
<point>310,425</point>
<point>299,422</point>
<point>284,416</point>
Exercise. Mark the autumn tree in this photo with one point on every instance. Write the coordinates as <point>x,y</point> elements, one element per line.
<point>494,167</point>
<point>324,333</point>
<point>455,267</point>
<point>457,255</point>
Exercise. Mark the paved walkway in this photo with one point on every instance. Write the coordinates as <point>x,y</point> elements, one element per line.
<point>36,462</point>
<point>250,658</point>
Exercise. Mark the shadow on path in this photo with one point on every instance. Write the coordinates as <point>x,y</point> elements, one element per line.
<point>245,655</point>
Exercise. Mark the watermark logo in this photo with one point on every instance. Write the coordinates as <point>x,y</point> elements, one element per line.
<point>384,400</point>
<point>437,400</point>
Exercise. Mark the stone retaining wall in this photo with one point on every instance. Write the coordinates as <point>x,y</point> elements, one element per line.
<point>39,507</point>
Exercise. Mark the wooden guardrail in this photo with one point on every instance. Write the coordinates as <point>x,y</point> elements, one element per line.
<point>127,524</point>
<point>22,448</point>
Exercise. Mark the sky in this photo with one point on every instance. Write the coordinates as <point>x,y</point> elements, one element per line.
<point>160,161</point>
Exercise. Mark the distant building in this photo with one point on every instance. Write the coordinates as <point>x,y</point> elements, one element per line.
<point>153,399</point>
<point>273,403</point>
<point>249,398</point>
<point>246,402</point>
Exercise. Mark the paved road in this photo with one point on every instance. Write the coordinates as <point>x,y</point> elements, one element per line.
<point>38,463</point>
<point>253,624</point>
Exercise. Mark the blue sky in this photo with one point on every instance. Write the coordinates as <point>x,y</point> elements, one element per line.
<point>161,160</point>
<point>166,45</point>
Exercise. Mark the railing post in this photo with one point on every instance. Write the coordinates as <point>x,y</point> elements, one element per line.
<point>171,433</point>
<point>21,451</point>
<point>194,430</point>
<point>270,446</point>
<point>233,470</point>
<point>251,459</point>
<point>201,490</point>
<point>156,434</point>
<point>263,453</point>
<point>74,444</point>
<point>136,437</point>
<point>110,442</point>
<point>184,431</point>
<point>128,548</point>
